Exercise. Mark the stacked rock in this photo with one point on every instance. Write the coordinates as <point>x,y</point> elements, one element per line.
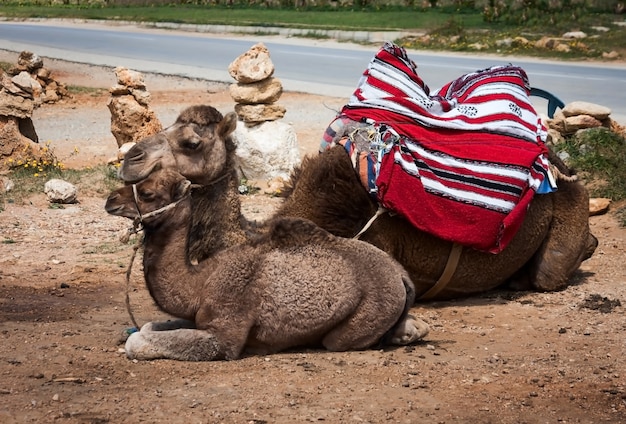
<point>256,91</point>
<point>266,148</point>
<point>131,117</point>
<point>30,65</point>
<point>19,96</point>
<point>580,116</point>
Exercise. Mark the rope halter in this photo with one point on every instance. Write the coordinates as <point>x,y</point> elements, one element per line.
<point>138,222</point>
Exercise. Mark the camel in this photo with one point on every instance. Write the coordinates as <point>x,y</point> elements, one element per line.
<point>295,285</point>
<point>549,247</point>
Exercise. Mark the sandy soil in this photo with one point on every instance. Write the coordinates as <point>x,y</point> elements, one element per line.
<point>503,357</point>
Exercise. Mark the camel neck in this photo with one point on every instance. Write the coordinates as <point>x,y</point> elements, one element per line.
<point>173,282</point>
<point>212,215</point>
<point>216,219</point>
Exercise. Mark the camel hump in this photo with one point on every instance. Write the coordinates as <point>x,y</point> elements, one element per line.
<point>293,232</point>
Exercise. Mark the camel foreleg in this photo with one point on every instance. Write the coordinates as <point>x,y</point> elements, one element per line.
<point>183,344</point>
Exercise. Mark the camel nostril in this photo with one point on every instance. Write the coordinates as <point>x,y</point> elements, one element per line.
<point>136,157</point>
<point>112,197</point>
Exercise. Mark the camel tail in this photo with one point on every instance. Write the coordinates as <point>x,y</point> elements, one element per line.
<point>561,176</point>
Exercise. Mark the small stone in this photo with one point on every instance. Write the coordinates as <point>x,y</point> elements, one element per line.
<point>575,35</point>
<point>55,397</point>
<point>59,191</point>
<point>599,205</point>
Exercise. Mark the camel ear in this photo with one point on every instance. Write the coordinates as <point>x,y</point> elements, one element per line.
<point>228,124</point>
<point>182,189</point>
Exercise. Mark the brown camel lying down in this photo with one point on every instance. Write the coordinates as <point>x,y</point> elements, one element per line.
<point>548,249</point>
<point>295,285</point>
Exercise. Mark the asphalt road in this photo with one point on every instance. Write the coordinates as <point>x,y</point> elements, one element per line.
<point>313,66</point>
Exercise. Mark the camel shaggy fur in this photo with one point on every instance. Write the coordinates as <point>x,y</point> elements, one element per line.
<point>545,253</point>
<point>295,285</point>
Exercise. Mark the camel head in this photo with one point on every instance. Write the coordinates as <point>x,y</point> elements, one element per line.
<point>146,200</point>
<point>198,145</point>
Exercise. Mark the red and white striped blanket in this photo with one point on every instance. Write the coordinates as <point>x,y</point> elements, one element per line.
<point>462,163</point>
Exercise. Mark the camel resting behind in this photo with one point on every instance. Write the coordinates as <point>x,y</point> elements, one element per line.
<point>546,252</point>
<point>296,285</point>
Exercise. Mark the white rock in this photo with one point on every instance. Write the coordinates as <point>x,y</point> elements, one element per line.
<point>575,34</point>
<point>266,151</point>
<point>59,191</point>
<point>27,83</point>
<point>6,184</point>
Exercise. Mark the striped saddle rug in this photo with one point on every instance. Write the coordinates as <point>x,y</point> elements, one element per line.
<point>462,163</point>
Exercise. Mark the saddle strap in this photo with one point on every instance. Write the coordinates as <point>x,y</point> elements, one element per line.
<point>448,272</point>
<point>369,223</point>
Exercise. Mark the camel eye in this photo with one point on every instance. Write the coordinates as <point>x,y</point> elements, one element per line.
<point>147,196</point>
<point>191,144</point>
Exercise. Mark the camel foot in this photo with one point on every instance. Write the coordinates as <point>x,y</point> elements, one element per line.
<point>409,331</point>
<point>139,347</point>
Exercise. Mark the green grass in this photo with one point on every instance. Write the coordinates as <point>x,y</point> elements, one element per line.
<point>448,29</point>
<point>78,89</point>
<point>390,19</point>
<point>599,156</point>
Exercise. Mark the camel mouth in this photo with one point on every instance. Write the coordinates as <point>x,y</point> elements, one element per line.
<point>114,209</point>
<point>121,211</point>
<point>112,206</point>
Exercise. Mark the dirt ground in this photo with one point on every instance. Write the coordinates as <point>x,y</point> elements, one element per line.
<point>503,357</point>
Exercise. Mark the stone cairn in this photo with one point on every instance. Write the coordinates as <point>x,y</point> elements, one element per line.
<point>267,148</point>
<point>131,117</point>
<point>30,64</point>
<point>23,88</point>
<point>577,117</point>
<point>574,120</point>
<point>256,91</point>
